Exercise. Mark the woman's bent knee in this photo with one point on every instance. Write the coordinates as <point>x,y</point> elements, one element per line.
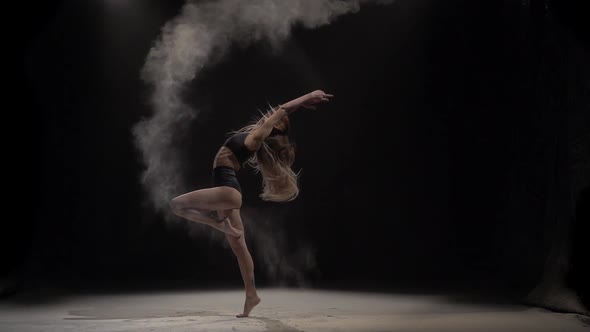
<point>175,205</point>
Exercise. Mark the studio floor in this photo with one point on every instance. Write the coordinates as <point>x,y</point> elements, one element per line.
<point>280,310</point>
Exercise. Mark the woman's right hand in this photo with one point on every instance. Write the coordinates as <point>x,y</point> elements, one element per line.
<point>314,98</point>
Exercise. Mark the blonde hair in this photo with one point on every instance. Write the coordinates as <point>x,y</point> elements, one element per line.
<point>279,181</point>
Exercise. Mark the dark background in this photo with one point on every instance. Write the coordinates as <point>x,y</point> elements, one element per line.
<point>455,153</point>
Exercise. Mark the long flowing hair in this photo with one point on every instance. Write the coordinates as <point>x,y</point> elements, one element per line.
<point>273,161</point>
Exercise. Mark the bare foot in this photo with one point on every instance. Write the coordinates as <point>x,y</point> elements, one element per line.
<point>251,302</point>
<point>226,227</point>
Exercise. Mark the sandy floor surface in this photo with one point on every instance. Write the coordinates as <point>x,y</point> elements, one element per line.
<point>280,310</point>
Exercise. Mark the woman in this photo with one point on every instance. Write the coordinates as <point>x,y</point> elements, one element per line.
<point>265,146</point>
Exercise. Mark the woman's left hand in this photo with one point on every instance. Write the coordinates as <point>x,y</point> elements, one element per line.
<point>314,98</point>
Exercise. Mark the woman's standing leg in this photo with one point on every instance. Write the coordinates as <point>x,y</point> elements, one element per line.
<point>240,249</point>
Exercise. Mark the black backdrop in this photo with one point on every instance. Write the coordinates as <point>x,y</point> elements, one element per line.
<point>454,153</point>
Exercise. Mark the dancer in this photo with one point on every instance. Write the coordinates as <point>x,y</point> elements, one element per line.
<point>265,146</point>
